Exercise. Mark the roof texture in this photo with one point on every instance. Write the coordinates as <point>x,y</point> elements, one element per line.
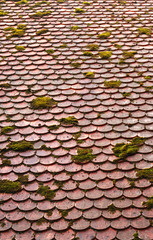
<point>67,193</point>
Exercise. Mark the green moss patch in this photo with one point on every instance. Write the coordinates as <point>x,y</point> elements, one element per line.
<point>105,54</point>
<point>79,10</point>
<point>89,74</point>
<point>20,48</point>
<point>7,186</point>
<point>146,31</point>
<point>104,35</point>
<point>111,208</point>
<point>16,32</point>
<point>5,162</point>
<point>3,13</point>
<point>149,203</point>
<point>93,47</point>
<point>129,54</point>
<point>71,120</point>
<point>112,84</point>
<point>7,129</point>
<point>20,146</point>
<point>53,127</point>
<point>42,31</point>
<point>123,150</point>
<point>146,173</point>
<point>5,85</point>
<point>136,236</point>
<point>74,28</point>
<point>87,53</point>
<point>50,51</point>
<point>42,103</point>
<point>21,2</point>
<point>83,156</point>
<point>23,179</point>
<point>46,192</point>
<point>40,14</point>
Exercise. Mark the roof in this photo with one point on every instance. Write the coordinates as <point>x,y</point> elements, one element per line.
<point>58,65</point>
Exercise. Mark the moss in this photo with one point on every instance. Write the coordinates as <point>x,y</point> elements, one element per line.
<point>149,203</point>
<point>129,54</point>
<point>21,2</point>
<point>42,31</point>
<point>123,150</point>
<point>126,94</point>
<point>136,236</point>
<point>71,120</point>
<point>7,129</point>
<point>111,208</point>
<point>93,47</point>
<point>20,48</point>
<point>40,14</point>
<point>20,146</point>
<point>41,221</point>
<point>46,192</point>
<point>86,3</point>
<point>79,10</point>
<point>148,77</point>
<point>146,31</point>
<point>121,61</point>
<point>76,64</point>
<point>104,35</point>
<point>42,103</point>
<point>87,53</point>
<point>64,213</point>
<point>145,173</point>
<point>132,184</point>
<point>16,32</point>
<point>59,183</point>
<point>50,51</point>
<point>105,54</point>
<point>53,127</point>
<point>149,88</point>
<point>89,74</point>
<point>5,85</point>
<point>83,156</point>
<point>3,13</point>
<point>118,46</point>
<point>5,162</point>
<point>23,179</point>
<point>112,84</point>
<point>74,28</point>
<point>7,186</point>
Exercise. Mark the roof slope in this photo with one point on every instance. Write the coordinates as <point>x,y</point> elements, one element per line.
<point>56,66</point>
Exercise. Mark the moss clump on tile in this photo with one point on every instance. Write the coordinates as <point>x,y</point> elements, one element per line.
<point>53,127</point>
<point>20,48</point>
<point>42,31</point>
<point>5,85</point>
<point>76,64</point>
<point>43,103</point>
<point>148,77</point>
<point>149,203</point>
<point>105,54</point>
<point>23,179</point>
<point>46,192</point>
<point>93,47</point>
<point>7,186</point>
<point>49,51</point>
<point>5,162</point>
<point>20,146</point>
<point>118,46</point>
<point>129,54</point>
<point>104,35</point>
<point>79,10</point>
<point>7,129</point>
<point>16,32</point>
<point>146,31</point>
<point>123,150</point>
<point>86,3</point>
<point>126,94</point>
<point>3,13</point>
<point>111,208</point>
<point>112,84</point>
<point>21,2</point>
<point>87,53</point>
<point>136,236</point>
<point>71,120</point>
<point>59,184</point>
<point>74,28</point>
<point>83,156</point>
<point>145,173</point>
<point>41,221</point>
<point>40,14</point>
<point>89,74</point>
<point>64,213</point>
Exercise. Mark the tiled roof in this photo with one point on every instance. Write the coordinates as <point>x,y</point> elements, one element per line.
<point>100,199</point>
